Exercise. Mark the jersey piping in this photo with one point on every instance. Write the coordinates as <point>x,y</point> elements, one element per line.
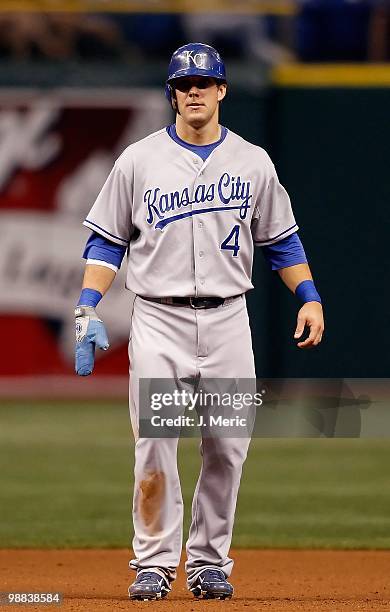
<point>203,151</point>
<point>276,237</point>
<point>87,221</point>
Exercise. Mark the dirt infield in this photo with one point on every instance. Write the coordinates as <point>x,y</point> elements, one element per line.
<point>264,580</point>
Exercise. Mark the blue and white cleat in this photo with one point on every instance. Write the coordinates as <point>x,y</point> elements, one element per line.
<point>212,584</point>
<point>149,585</point>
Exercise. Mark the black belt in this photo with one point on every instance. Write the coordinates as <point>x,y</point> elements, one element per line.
<point>194,302</point>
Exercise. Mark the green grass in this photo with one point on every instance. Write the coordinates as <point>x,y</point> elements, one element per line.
<point>66,481</point>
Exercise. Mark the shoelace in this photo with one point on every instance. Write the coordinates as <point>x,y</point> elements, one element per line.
<point>146,576</point>
<point>214,574</point>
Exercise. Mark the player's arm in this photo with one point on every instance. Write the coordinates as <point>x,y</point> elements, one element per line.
<point>103,260</point>
<point>98,278</point>
<point>299,280</point>
<point>288,258</point>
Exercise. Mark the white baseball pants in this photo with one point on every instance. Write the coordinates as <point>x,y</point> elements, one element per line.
<point>183,344</point>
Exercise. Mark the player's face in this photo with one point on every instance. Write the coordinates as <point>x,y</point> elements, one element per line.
<point>197,99</point>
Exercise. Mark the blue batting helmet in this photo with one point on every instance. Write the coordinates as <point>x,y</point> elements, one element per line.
<point>194,59</point>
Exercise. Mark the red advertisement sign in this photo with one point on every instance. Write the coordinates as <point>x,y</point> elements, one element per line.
<point>56,150</point>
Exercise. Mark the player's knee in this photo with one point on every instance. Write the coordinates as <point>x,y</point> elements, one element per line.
<point>225,456</point>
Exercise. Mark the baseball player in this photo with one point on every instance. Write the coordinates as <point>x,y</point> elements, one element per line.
<point>188,203</point>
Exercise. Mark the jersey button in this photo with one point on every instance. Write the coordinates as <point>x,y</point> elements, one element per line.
<point>201,281</point>
<point>200,224</point>
<point>201,253</point>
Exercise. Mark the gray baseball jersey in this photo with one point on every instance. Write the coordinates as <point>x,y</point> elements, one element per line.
<point>191,225</point>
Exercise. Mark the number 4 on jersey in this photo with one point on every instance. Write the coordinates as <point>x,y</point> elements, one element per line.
<point>231,241</point>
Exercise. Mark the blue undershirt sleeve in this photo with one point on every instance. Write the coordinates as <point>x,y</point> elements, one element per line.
<point>285,253</point>
<point>100,248</point>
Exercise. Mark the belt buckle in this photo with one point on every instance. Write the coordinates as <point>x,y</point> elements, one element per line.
<point>194,306</point>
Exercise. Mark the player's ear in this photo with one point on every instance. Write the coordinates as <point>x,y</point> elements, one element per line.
<point>174,100</point>
<point>222,87</point>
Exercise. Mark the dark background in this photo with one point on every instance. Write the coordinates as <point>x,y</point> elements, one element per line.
<point>330,147</point>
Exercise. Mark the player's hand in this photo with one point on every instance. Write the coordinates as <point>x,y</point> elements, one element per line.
<point>311,316</point>
<point>90,332</point>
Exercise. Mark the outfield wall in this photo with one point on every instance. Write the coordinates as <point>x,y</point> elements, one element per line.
<point>328,131</point>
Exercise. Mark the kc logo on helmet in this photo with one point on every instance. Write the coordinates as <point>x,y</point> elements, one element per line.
<point>199,59</point>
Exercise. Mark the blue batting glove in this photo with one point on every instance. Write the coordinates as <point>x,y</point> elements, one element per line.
<point>90,332</point>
